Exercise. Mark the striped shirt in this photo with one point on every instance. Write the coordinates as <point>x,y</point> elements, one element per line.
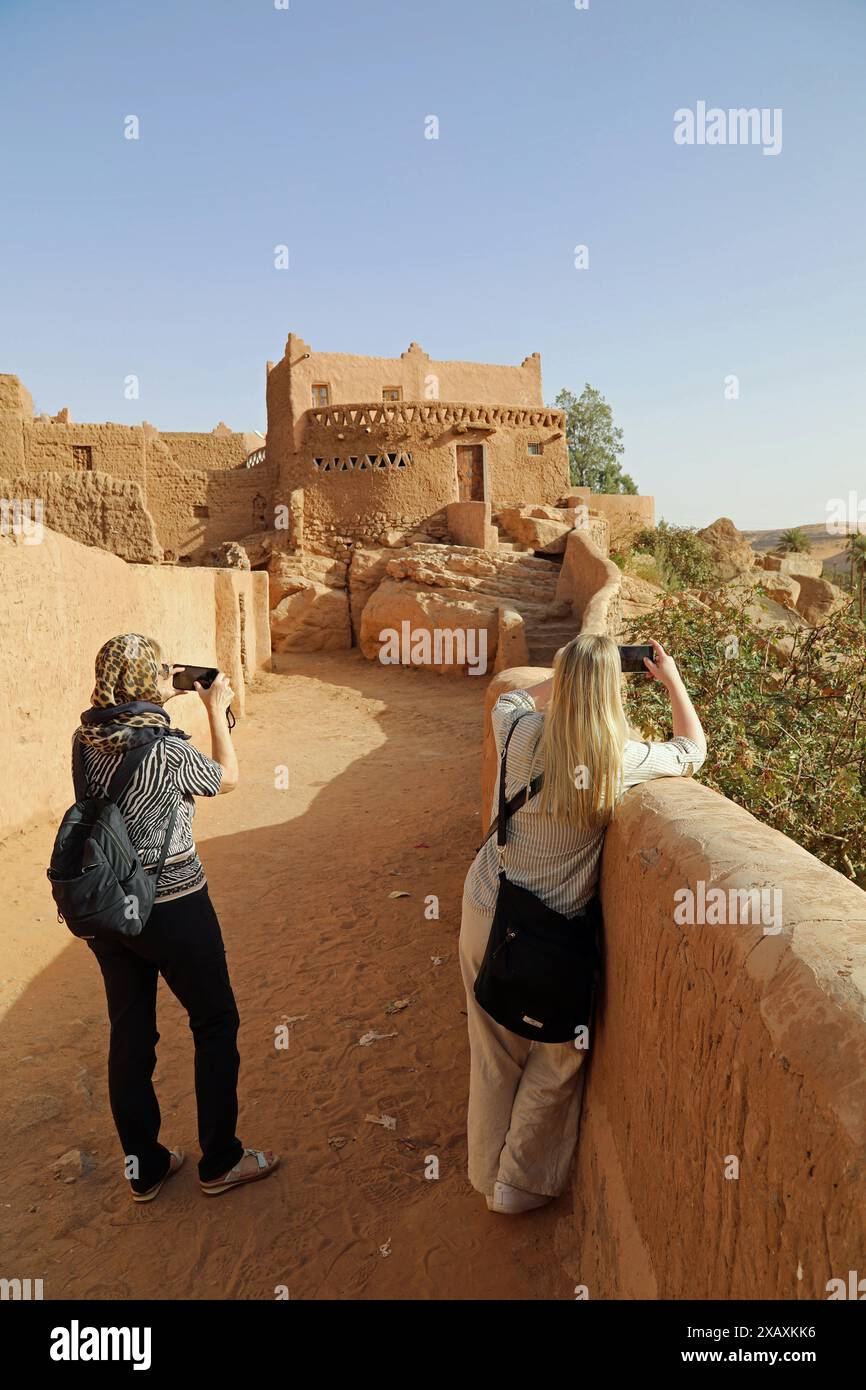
<point>171,775</point>
<point>553,859</point>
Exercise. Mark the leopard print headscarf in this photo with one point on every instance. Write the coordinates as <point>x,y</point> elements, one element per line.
<point>126,695</point>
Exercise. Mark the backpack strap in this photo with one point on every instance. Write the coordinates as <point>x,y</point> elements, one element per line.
<point>165,844</point>
<point>129,765</point>
<point>79,771</point>
<point>126,770</point>
<point>499,828</point>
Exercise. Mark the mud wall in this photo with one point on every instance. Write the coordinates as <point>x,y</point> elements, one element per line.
<point>721,1050</point>
<point>62,601</point>
<point>626,513</point>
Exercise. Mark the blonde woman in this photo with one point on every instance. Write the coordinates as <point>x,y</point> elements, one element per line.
<point>524,1096</point>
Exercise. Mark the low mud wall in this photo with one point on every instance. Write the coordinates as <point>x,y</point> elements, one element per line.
<point>61,601</point>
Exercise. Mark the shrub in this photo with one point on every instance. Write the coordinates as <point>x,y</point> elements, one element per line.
<point>788,743</point>
<point>683,560</point>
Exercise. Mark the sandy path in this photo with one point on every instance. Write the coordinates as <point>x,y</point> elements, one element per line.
<point>379,761</point>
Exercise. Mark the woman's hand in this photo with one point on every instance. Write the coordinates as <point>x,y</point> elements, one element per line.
<point>218,696</point>
<point>663,668</point>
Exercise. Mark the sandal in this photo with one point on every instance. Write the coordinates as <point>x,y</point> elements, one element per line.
<point>234,1178</point>
<point>154,1191</point>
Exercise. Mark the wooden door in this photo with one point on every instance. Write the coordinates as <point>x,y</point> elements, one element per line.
<point>470,472</point>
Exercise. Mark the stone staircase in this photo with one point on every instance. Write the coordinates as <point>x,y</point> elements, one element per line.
<point>527,583</point>
<point>506,543</point>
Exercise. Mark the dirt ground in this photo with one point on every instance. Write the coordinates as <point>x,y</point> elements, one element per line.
<point>383,797</point>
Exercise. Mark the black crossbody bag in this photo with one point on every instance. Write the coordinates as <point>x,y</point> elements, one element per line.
<point>540,969</point>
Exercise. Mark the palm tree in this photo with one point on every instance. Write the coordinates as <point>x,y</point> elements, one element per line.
<point>795,539</point>
<point>857,553</point>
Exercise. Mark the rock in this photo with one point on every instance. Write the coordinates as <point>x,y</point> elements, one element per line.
<point>524,525</point>
<point>763,612</point>
<point>817,599</point>
<point>729,550</point>
<point>462,625</point>
<point>311,617</point>
<point>790,562</point>
<point>74,1164</point>
<point>780,587</point>
<point>231,555</point>
<point>288,573</point>
<point>638,596</point>
<point>366,572</point>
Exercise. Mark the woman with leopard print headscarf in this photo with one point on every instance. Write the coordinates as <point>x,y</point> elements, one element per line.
<point>181,939</point>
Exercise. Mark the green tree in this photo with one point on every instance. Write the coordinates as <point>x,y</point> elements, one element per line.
<point>594,442</point>
<point>795,539</point>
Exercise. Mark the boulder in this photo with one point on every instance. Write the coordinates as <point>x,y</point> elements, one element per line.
<point>527,527</point>
<point>638,596</point>
<point>312,617</point>
<point>729,550</point>
<point>446,631</point>
<point>780,587</point>
<point>366,572</point>
<point>817,599</point>
<point>288,573</point>
<point>791,562</point>
<point>762,611</point>
<point>230,555</point>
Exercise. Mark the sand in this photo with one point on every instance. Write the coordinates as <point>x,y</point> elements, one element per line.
<point>383,796</point>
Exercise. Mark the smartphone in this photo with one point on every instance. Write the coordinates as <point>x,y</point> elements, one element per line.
<point>631,658</point>
<point>186,677</point>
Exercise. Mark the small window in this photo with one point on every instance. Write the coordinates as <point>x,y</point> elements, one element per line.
<point>533,448</point>
<point>201,511</point>
<point>392,393</point>
<point>82,457</point>
<point>321,395</point>
<point>317,463</point>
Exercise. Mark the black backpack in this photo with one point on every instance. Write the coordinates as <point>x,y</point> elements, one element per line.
<point>101,888</point>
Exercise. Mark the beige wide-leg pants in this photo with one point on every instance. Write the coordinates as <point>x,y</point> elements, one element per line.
<point>524,1096</point>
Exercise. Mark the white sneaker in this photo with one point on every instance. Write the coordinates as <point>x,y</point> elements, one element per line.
<point>511,1200</point>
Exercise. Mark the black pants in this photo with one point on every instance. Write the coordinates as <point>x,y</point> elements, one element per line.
<point>181,941</point>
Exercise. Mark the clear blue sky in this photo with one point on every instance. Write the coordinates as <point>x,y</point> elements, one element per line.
<point>306,127</point>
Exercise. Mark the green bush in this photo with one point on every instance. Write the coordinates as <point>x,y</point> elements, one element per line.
<point>786,742</point>
<point>683,560</point>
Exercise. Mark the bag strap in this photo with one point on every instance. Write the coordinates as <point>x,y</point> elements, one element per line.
<point>126,770</point>
<point>499,828</point>
<point>165,844</point>
<point>80,784</point>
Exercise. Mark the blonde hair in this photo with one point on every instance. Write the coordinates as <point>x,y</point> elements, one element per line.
<point>584,735</point>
